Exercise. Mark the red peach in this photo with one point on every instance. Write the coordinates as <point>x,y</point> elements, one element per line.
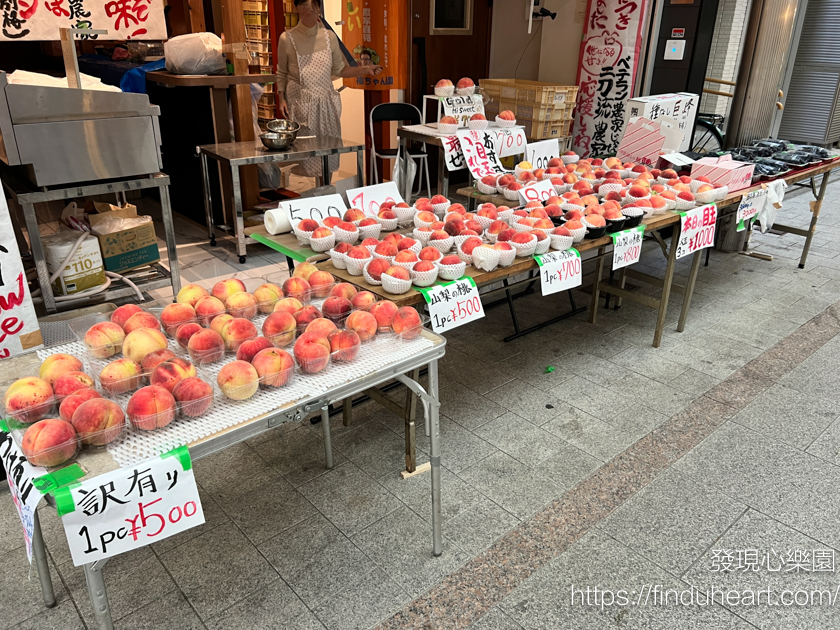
<point>507,115</point>
<point>237,331</point>
<point>321,283</point>
<point>429,253</point>
<point>151,408</point>
<point>322,232</point>
<point>336,308</point>
<point>191,294</point>
<point>288,305</point>
<point>274,366</point>
<point>344,345</point>
<point>49,443</point>
<point>304,270</point>
<point>29,399</point>
<point>354,214</point>
<point>343,289</point>
<point>406,322</point>
<point>377,267</point>
<point>267,295</point>
<point>121,376</point>
<point>279,328</point>
<point>242,305</point>
<point>452,259</point>
<point>447,120</point>
<point>312,352</point>
<point>169,373</point>
<point>69,382</point>
<point>98,421</point>
<point>57,364</point>
<point>173,315</point>
<point>363,300</point>
<point>306,315</point>
<point>384,311</point>
<point>307,225</point>
<point>398,272</point>
<point>72,402</point>
<point>321,326</point>
<point>194,396</point>
<point>206,346</point>
<point>153,359</point>
<point>185,331</point>
<point>297,288</point>
<point>208,308</point>
<point>405,243</point>
<point>386,248</point>
<point>225,288</point>
<point>122,313</point>
<point>219,322</point>
<point>104,339</point>
<point>363,323</point>
<point>406,256</point>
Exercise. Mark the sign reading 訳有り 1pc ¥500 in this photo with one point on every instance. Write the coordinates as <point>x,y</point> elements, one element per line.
<point>41,20</point>
<point>609,56</point>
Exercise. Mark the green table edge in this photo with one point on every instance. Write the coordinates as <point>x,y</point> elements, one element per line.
<point>300,255</point>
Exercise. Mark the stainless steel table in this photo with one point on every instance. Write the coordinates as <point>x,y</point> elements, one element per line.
<point>236,154</point>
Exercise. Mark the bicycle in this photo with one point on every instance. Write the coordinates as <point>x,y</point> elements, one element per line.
<point>708,128</point>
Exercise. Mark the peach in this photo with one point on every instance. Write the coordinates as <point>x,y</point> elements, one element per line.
<point>453,228</point>
<point>184,332</point>
<point>219,322</point>
<point>307,225</point>
<point>343,289</point>
<point>141,342</point>
<point>225,288</point>
<point>206,346</point>
<point>151,408</point>
<point>191,294</point>
<point>279,328</point>
<point>242,305</point>
<point>154,359</point>
<point>72,402</point>
<point>344,345</point>
<point>321,282</point>
<point>267,295</point>
<point>312,352</point>
<point>122,313</point>
<point>194,396</point>
<point>208,308</point>
<point>522,238</point>
<point>669,173</point>
<point>249,349</point>
<point>657,202</point>
<point>354,214</point>
<point>506,234</point>
<point>704,187</point>
<point>288,305</point>
<point>447,120</point>
<point>237,331</point>
<point>384,311</point>
<point>321,326</point>
<point>452,259</point>
<point>121,376</point>
<point>561,231</point>
<point>50,443</point>
<point>423,265</point>
<point>69,382</point>
<point>363,300</point>
<point>386,214</point>
<point>29,399</point>
<point>637,191</point>
<point>429,253</point>
<point>596,220</point>
<point>104,339</point>
<point>398,272</point>
<point>274,366</point>
<point>238,380</point>
<point>173,315</point>
<point>169,373</point>
<point>336,308</point>
<point>685,179</point>
<point>443,83</point>
<point>57,364</point>
<point>363,324</point>
<point>406,322</point>
<point>426,216</point>
<point>507,115</point>
<point>304,270</point>
<point>497,226</point>
<point>685,196</point>
<point>405,243</point>
<point>368,221</point>
<point>141,320</point>
<point>305,316</point>
<point>98,421</point>
<point>347,226</point>
<point>297,288</point>
<point>406,256</point>
<point>386,248</point>
<point>470,244</point>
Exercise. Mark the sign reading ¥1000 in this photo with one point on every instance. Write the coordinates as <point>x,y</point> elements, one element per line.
<point>697,229</point>
<point>453,304</point>
<point>559,271</point>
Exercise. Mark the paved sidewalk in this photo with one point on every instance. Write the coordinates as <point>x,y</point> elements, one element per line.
<point>626,468</point>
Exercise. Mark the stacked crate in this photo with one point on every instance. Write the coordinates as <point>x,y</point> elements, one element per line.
<point>259,38</point>
<point>544,109</point>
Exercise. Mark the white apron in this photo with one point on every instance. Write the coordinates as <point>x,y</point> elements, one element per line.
<point>315,104</point>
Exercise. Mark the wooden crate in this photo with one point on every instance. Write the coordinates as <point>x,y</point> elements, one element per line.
<point>257,32</point>
<point>259,45</point>
<point>542,129</point>
<point>256,18</point>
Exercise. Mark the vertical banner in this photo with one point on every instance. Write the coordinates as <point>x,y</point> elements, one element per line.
<point>123,19</point>
<point>20,474</point>
<point>376,32</point>
<point>19,330</point>
<point>609,55</point>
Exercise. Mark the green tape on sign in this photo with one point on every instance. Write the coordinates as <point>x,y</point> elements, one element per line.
<point>182,453</point>
<point>59,478</point>
<point>64,503</point>
<point>4,427</point>
<point>538,258</point>
<point>741,227</point>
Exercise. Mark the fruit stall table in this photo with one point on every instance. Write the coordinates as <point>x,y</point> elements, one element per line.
<point>230,422</point>
<point>287,244</point>
<point>601,248</point>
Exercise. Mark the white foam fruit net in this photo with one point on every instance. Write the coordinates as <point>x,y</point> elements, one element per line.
<point>136,445</point>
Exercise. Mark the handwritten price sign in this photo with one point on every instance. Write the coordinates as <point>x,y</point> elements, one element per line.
<point>627,246</point>
<point>317,208</point>
<point>19,474</point>
<point>539,153</point>
<point>453,304</point>
<point>751,204</point>
<point>697,229</point>
<point>130,507</point>
<point>369,198</point>
<point>540,191</point>
<point>462,107</point>
<point>559,271</point>
<point>511,141</point>
<point>481,154</point>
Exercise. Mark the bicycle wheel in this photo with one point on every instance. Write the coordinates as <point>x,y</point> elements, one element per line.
<point>707,137</point>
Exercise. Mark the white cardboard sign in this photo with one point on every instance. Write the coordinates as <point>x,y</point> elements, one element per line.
<point>627,246</point>
<point>317,208</point>
<point>130,507</point>
<point>19,475</point>
<point>539,153</point>
<point>697,229</point>
<point>462,107</point>
<point>559,271</point>
<point>453,304</point>
<point>751,204</point>
<point>540,191</point>
<point>481,154</point>
<point>369,198</point>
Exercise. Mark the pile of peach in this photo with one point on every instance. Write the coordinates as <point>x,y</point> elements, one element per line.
<point>464,87</point>
<point>324,234</point>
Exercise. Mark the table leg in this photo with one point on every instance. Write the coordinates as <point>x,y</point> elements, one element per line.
<point>596,286</point>
<point>98,595</point>
<point>325,170</point>
<point>325,426</point>
<point>221,133</point>
<point>407,184</point>
<point>38,254</point>
<point>347,412</point>
<point>40,553</point>
<point>360,169</point>
<point>443,174</point>
<point>689,291</point>
<point>815,214</point>
<point>666,288</point>
<point>239,221</point>
<point>434,458</point>
<point>171,248</point>
<point>410,426</point>
<point>622,277</point>
<point>208,199</point>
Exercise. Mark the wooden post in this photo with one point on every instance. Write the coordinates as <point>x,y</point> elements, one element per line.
<point>233,26</point>
<point>194,12</point>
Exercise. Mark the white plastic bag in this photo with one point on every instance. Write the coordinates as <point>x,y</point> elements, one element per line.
<point>405,168</point>
<point>195,53</point>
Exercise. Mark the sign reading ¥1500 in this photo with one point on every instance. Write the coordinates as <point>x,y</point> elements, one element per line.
<point>41,19</point>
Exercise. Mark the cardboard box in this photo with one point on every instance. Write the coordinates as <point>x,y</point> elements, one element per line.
<point>645,140</point>
<point>681,106</point>
<point>724,171</point>
<point>125,249</point>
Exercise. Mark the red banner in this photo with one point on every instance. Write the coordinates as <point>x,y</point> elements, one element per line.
<point>376,32</point>
<point>609,56</point>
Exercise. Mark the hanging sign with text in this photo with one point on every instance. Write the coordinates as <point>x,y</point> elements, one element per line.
<point>508,142</point>
<point>462,107</point>
<point>697,229</point>
<point>481,155</point>
<point>751,204</point>
<point>559,271</point>
<point>539,153</point>
<point>627,246</point>
<point>453,304</point>
<point>25,496</point>
<point>540,191</point>
<point>369,198</point>
<point>130,507</point>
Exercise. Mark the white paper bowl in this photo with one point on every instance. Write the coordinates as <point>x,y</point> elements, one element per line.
<point>451,272</point>
<point>338,260</point>
<point>370,231</point>
<point>355,266</point>
<point>404,215</point>
<point>469,91</point>
<point>578,234</point>
<point>424,278</point>
<point>682,204</point>
<point>443,245</point>
<point>448,90</point>
<point>523,250</point>
<point>506,257</point>
<point>484,189</point>
<point>560,242</point>
<point>323,244</point>
<point>506,215</point>
<point>570,159</point>
<point>510,195</point>
<point>303,237</point>
<point>542,246</point>
<point>344,236</point>
<point>477,125</point>
<point>395,286</point>
<point>440,208</point>
<point>421,237</point>
<point>447,129</point>
<point>388,225</point>
<point>694,185</point>
<point>721,193</point>
<point>706,197</point>
<point>505,124</point>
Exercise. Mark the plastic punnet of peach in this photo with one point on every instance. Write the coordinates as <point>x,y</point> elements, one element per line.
<point>207,357</point>
<point>194,396</point>
<point>50,443</point>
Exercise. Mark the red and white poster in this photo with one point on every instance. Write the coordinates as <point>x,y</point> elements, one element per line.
<point>609,56</point>
<point>41,19</point>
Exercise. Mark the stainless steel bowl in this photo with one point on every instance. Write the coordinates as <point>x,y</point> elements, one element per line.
<point>281,134</point>
<point>279,125</point>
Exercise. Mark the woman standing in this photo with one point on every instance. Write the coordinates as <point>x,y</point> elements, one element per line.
<point>308,57</point>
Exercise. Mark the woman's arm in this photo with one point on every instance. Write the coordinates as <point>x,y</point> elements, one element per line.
<point>282,76</point>
<point>360,71</point>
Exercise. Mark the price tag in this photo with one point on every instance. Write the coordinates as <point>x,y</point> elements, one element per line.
<point>539,153</point>
<point>697,229</point>
<point>540,191</point>
<point>480,149</point>
<point>462,107</point>
<point>369,198</point>
<point>751,204</point>
<point>317,208</point>
<point>19,475</point>
<point>627,246</point>
<point>559,271</point>
<point>130,507</point>
<point>511,141</point>
<point>453,304</point>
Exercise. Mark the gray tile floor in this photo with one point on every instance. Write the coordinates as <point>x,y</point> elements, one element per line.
<point>288,544</point>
